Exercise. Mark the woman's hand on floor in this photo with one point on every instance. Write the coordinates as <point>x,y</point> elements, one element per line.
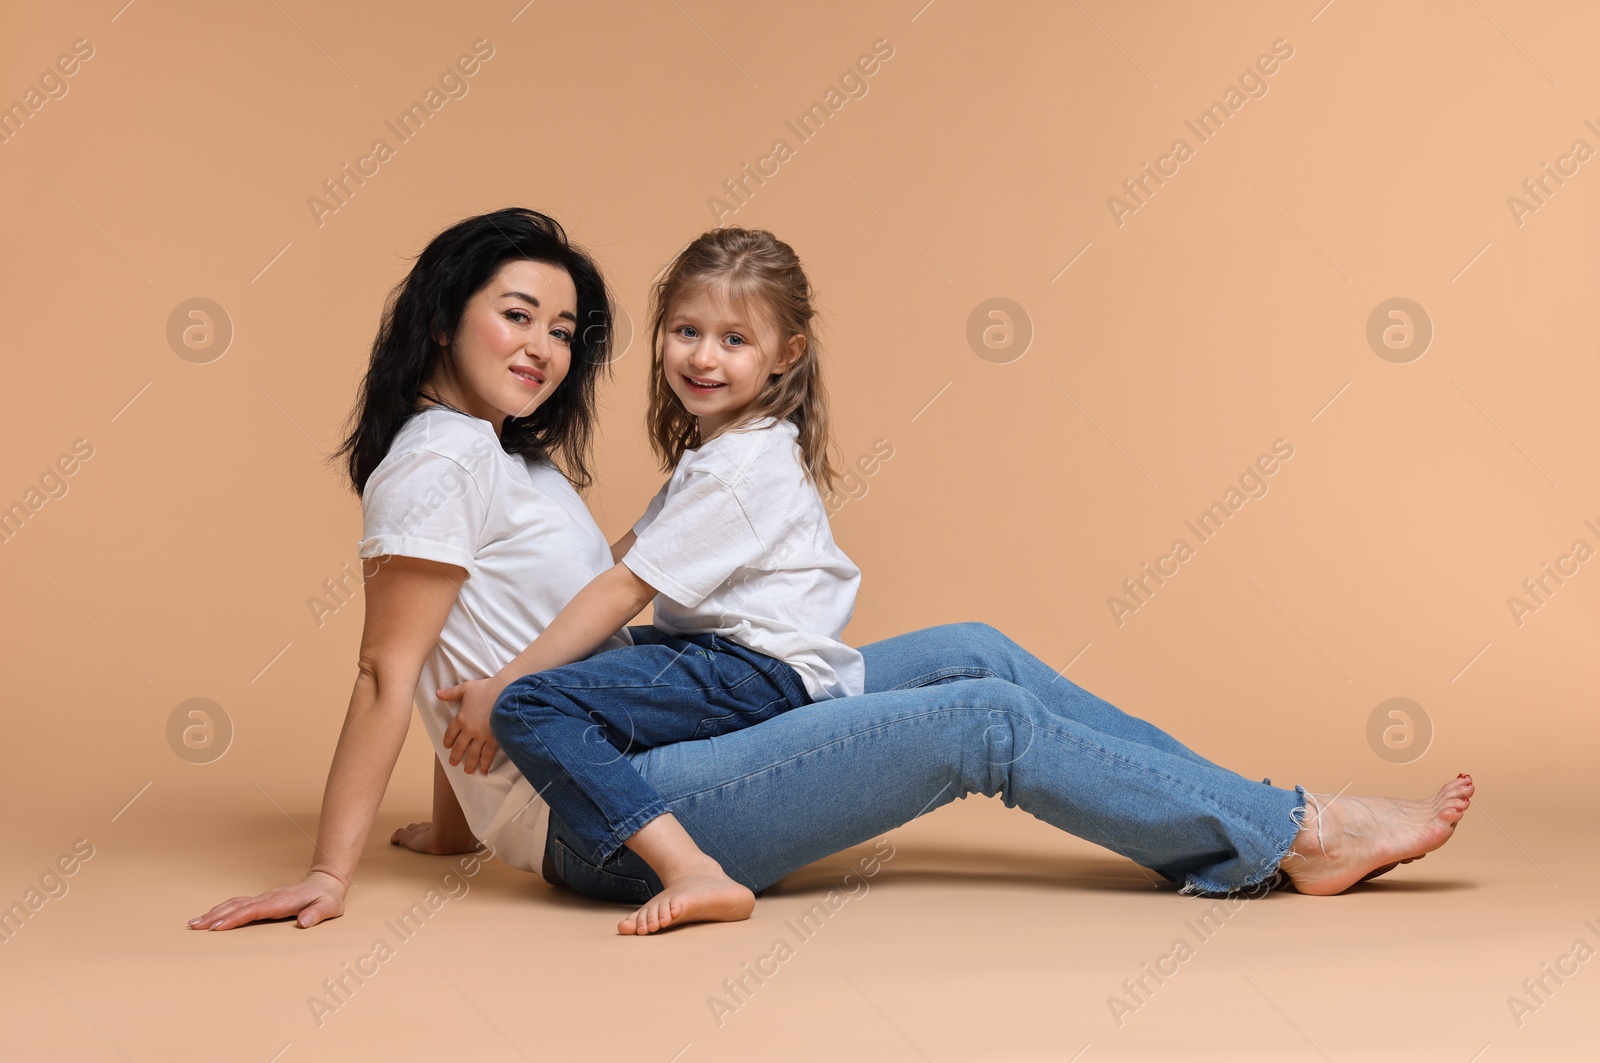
<point>424,838</point>
<point>469,737</point>
<point>314,898</point>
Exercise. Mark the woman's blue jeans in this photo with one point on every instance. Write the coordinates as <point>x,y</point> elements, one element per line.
<point>951,711</point>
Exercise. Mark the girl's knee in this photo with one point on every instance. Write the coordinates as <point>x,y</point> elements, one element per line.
<point>518,703</point>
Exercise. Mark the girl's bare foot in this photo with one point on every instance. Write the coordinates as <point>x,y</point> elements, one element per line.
<point>694,888</point>
<point>1346,840</point>
<point>703,895</point>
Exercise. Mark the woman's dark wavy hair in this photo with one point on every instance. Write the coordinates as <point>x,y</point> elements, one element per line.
<point>456,265</point>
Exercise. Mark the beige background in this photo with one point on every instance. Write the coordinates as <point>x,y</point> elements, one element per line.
<point>1167,352</point>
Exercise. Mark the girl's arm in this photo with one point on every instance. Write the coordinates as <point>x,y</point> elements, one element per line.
<point>596,613</point>
<point>407,602</point>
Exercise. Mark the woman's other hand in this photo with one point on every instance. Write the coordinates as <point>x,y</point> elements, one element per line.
<point>314,898</point>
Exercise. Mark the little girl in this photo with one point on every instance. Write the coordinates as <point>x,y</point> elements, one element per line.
<point>750,593</point>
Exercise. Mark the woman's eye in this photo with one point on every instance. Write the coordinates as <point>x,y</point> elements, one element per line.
<point>563,335</point>
<point>521,317</point>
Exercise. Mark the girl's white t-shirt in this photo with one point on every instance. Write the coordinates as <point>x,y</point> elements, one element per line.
<point>737,544</point>
<point>447,492</point>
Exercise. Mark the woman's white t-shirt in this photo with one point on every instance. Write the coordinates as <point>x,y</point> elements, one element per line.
<point>447,492</point>
<point>737,544</point>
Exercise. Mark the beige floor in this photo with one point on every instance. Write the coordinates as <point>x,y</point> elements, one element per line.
<point>986,936</point>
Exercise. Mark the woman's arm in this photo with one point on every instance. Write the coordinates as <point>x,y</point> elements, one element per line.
<point>407,602</point>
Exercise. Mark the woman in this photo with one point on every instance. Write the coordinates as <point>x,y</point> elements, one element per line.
<point>483,373</point>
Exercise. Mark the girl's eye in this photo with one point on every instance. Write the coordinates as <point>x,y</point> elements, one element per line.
<point>735,340</point>
<point>687,332</point>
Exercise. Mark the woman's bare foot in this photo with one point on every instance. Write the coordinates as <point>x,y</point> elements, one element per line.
<point>1346,840</point>
<point>703,895</point>
<point>428,838</point>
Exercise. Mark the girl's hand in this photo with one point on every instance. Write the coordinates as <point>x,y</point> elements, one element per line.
<point>471,742</point>
<point>425,838</point>
<point>316,897</point>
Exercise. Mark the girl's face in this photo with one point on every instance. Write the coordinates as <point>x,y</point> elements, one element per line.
<point>513,346</point>
<point>717,359</point>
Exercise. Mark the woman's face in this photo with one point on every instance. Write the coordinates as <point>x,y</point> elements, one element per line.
<point>513,345</point>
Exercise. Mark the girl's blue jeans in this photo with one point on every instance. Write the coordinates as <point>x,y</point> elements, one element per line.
<point>568,729</point>
<point>951,711</point>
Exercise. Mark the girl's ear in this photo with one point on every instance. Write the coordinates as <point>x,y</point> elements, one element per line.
<point>791,354</point>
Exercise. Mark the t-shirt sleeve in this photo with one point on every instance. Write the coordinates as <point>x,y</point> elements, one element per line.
<point>425,504</point>
<point>698,539</point>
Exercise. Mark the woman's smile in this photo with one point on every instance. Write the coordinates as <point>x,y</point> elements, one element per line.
<point>528,376</point>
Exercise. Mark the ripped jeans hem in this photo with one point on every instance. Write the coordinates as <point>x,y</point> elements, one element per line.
<point>1270,874</point>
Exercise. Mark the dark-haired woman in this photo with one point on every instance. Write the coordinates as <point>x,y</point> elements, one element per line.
<point>483,372</point>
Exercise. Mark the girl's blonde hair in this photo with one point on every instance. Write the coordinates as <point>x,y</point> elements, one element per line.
<point>758,273</point>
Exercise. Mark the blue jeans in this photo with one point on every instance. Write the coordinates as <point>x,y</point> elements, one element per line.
<point>568,729</point>
<point>952,711</point>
